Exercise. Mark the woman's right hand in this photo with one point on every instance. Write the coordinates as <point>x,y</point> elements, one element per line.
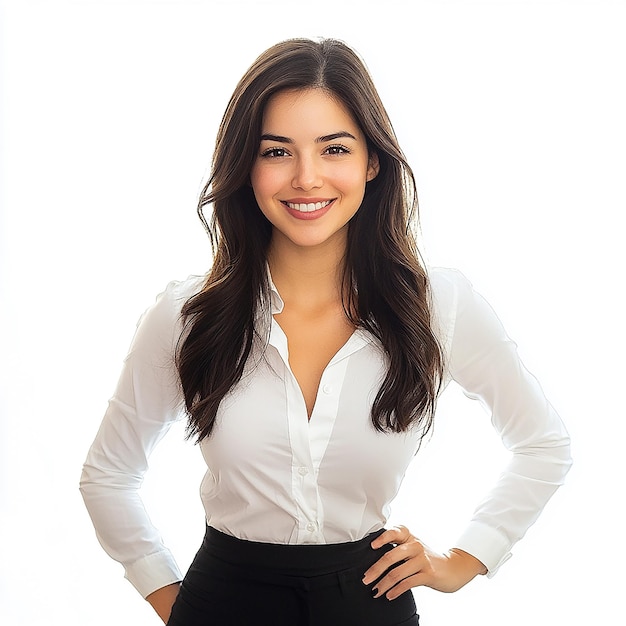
<point>162,600</point>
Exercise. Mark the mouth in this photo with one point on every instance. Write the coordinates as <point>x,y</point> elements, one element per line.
<point>307,207</point>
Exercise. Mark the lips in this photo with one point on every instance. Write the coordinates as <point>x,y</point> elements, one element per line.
<point>308,211</point>
<point>307,207</point>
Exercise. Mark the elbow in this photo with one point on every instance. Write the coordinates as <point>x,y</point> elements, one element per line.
<point>569,460</point>
<point>560,451</point>
<point>562,459</point>
<point>86,482</point>
<point>96,480</point>
<point>548,462</point>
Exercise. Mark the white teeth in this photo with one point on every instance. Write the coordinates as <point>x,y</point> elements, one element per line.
<point>307,208</point>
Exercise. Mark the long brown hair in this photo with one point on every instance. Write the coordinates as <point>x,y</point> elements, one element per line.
<point>392,300</point>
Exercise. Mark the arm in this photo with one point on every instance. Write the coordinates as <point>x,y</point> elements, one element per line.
<point>413,564</point>
<point>144,405</point>
<point>484,361</point>
<point>162,600</point>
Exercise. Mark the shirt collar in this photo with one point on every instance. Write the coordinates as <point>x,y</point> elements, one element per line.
<point>276,302</point>
<point>360,337</point>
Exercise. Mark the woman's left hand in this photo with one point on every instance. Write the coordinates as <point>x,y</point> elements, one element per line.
<point>415,564</point>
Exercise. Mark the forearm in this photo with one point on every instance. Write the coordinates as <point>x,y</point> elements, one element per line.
<point>162,600</point>
<point>467,565</point>
<point>411,563</point>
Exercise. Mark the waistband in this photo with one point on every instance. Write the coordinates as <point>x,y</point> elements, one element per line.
<point>300,559</point>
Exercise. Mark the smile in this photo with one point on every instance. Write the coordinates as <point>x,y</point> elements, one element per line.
<point>308,207</point>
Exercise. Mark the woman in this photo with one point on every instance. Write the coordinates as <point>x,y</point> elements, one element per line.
<point>308,363</point>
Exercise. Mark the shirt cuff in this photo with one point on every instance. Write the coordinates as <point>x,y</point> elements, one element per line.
<point>489,546</point>
<point>152,572</point>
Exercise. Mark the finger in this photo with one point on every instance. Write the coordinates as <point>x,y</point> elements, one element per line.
<point>417,580</point>
<point>398,575</point>
<point>397,534</point>
<point>391,559</point>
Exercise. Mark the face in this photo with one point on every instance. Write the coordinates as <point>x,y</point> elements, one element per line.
<point>311,168</point>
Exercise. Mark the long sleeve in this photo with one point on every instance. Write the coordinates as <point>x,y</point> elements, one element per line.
<point>484,361</point>
<point>145,404</point>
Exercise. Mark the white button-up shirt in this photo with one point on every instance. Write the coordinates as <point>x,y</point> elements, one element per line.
<point>274,476</point>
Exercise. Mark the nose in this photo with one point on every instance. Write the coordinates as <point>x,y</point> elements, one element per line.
<point>307,174</point>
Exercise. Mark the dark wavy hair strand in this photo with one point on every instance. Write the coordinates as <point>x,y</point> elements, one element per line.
<point>392,300</point>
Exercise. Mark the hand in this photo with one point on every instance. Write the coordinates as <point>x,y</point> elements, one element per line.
<point>415,564</point>
<point>162,600</point>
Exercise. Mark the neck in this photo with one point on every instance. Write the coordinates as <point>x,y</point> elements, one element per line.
<point>307,277</point>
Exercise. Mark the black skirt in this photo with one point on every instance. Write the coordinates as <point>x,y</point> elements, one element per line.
<point>233,582</point>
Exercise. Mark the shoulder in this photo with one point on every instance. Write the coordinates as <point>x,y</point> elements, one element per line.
<point>461,317</point>
<point>465,322</point>
<point>177,292</point>
<point>161,321</point>
<point>170,301</point>
<point>449,289</point>
<point>446,283</point>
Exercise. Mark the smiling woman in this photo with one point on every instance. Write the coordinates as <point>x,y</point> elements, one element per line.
<point>306,159</point>
<point>302,174</point>
<point>308,363</point>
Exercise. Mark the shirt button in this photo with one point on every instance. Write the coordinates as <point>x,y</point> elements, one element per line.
<point>311,527</point>
<point>303,471</point>
<point>327,389</point>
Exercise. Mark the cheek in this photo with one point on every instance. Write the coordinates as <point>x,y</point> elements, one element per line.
<point>266,182</point>
<point>350,180</point>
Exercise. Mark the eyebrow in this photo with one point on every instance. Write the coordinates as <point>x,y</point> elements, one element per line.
<point>322,139</point>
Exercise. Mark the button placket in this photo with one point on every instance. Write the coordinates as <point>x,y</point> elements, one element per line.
<point>309,439</point>
<point>326,409</point>
<point>303,479</point>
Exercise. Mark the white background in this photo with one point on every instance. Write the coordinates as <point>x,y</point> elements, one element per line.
<point>512,115</point>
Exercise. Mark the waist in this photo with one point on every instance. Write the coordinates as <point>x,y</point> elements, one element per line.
<point>307,559</point>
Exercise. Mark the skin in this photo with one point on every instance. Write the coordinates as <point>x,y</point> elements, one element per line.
<point>421,567</point>
<point>321,156</point>
<point>162,600</point>
<point>312,150</point>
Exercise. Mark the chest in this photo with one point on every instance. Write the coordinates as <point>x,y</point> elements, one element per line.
<point>312,342</point>
<point>262,427</point>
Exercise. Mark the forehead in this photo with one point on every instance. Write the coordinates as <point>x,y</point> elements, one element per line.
<point>307,109</point>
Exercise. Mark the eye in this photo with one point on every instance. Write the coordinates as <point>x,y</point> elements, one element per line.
<point>337,149</point>
<point>274,153</point>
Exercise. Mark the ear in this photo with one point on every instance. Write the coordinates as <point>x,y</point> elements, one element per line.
<point>373,167</point>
